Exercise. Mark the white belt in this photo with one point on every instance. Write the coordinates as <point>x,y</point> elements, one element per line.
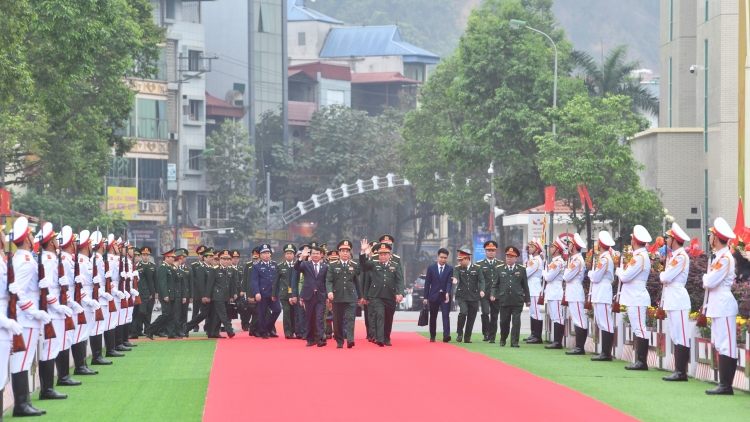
<point>554,282</point>
<point>33,294</point>
<point>88,289</point>
<point>53,290</point>
<point>639,282</point>
<point>721,289</point>
<point>4,302</point>
<point>573,283</point>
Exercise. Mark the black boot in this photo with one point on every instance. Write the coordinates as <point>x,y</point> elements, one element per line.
<point>62,362</point>
<point>460,328</point>
<point>96,354</point>
<point>21,403</point>
<point>47,381</point>
<point>727,368</point>
<point>120,339</point>
<point>680,364</point>
<point>559,330</point>
<point>641,361</point>
<point>536,332</point>
<point>607,341</point>
<point>581,334</point>
<point>109,341</point>
<point>485,327</point>
<point>532,334</point>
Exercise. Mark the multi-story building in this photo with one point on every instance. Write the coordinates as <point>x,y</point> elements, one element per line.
<point>163,172</point>
<point>691,158</point>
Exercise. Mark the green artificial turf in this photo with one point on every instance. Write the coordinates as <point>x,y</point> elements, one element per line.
<point>159,380</point>
<point>641,394</point>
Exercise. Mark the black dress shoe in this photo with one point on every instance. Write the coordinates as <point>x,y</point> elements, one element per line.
<point>219,336</point>
<point>94,361</point>
<point>298,336</point>
<point>486,338</point>
<point>288,337</point>
<point>121,348</point>
<point>514,345</point>
<point>446,339</point>
<point>535,340</point>
<point>349,344</point>
<point>554,345</point>
<point>676,376</point>
<point>388,343</point>
<point>492,341</point>
<point>502,343</point>
<point>339,345</point>
<point>329,336</point>
<point>129,344</point>
<point>150,336</point>
<point>170,337</point>
<point>230,335</point>
<point>459,338</point>
<point>310,344</point>
<point>322,343</point>
<point>575,351</point>
<point>113,354</point>
<point>467,340</point>
<point>273,335</point>
<point>380,343</point>
<point>266,336</point>
<point>179,334</point>
<point>432,339</point>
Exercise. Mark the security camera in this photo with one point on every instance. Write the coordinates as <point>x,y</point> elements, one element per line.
<point>692,68</point>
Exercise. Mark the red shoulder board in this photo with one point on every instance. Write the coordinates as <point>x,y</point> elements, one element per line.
<point>28,258</point>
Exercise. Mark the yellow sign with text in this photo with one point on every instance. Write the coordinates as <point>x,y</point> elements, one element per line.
<point>124,200</point>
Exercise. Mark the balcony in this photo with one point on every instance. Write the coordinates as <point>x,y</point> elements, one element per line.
<point>208,223</point>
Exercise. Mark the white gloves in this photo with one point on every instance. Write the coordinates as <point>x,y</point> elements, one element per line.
<point>63,281</point>
<point>62,309</point>
<point>126,294</point>
<point>118,294</point>
<point>79,279</point>
<point>40,316</point>
<point>104,295</point>
<point>97,280</point>
<point>134,293</point>
<point>44,283</point>
<point>618,272</point>
<point>12,326</point>
<point>14,288</point>
<point>590,273</point>
<point>93,304</point>
<point>77,309</point>
<point>108,274</point>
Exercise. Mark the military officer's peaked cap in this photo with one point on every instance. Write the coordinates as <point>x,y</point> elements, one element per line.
<point>168,253</point>
<point>722,230</point>
<point>256,254</point>
<point>84,238</point>
<point>136,251</point>
<point>641,235</point>
<point>512,251</point>
<point>178,253</point>
<point>535,243</point>
<point>490,244</point>
<point>333,253</point>
<point>463,253</point>
<point>199,250</point>
<point>314,244</point>
<point>208,252</point>
<point>605,239</point>
<point>373,244</point>
<point>678,234</point>
<point>235,253</point>
<point>146,250</point>
<point>384,247</point>
<point>46,233</point>
<point>66,236</point>
<point>324,247</point>
<point>386,238</point>
<point>344,244</point>
<point>579,242</point>
<point>225,254</point>
<point>264,248</point>
<point>21,230</point>
<point>290,248</point>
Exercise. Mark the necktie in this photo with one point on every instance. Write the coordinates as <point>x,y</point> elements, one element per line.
<point>316,270</point>
<point>441,271</point>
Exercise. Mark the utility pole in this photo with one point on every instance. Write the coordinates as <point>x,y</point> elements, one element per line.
<point>268,203</point>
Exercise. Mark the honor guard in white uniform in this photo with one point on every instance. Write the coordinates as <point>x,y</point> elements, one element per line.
<point>132,292</point>
<point>676,300</point>
<point>96,334</point>
<point>601,276</point>
<point>117,318</point>
<point>123,308</point>
<point>47,239</point>
<point>634,294</point>
<point>26,287</point>
<point>721,305</point>
<point>85,271</point>
<point>8,327</point>
<point>534,268</point>
<point>553,292</point>
<point>573,277</point>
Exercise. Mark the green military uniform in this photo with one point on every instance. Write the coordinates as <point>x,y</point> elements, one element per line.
<point>369,315</point>
<point>179,294</point>
<point>490,310</point>
<point>165,289</point>
<point>196,267</point>
<point>282,291</point>
<point>147,290</point>
<point>470,284</point>
<point>219,286</point>
<point>511,291</point>
<point>343,281</point>
<point>189,289</point>
<point>385,283</point>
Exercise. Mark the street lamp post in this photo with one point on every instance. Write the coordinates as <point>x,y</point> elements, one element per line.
<point>515,23</point>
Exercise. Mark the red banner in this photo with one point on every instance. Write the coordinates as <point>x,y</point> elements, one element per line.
<point>4,202</point>
<point>549,198</point>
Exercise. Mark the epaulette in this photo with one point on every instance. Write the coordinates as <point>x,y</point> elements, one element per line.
<point>477,265</point>
<point>195,263</point>
<point>396,256</point>
<point>249,263</point>
<point>522,266</point>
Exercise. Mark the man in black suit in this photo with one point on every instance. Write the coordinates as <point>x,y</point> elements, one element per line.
<point>437,294</point>
<point>313,294</point>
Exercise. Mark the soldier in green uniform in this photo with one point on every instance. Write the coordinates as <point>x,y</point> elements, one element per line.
<point>344,289</point>
<point>385,290</point>
<point>469,291</point>
<point>332,257</point>
<point>219,286</point>
<point>511,291</point>
<point>165,289</point>
<point>369,315</point>
<point>136,325</point>
<point>490,269</point>
<point>187,294</point>
<point>179,294</point>
<point>282,289</point>
<point>194,268</point>
<point>238,277</point>
<point>249,313</point>
<point>147,288</point>
<point>202,274</point>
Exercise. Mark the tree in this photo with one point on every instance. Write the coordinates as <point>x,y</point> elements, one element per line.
<point>614,75</point>
<point>591,147</point>
<point>229,172</point>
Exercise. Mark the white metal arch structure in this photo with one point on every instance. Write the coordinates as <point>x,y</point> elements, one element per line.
<point>345,191</point>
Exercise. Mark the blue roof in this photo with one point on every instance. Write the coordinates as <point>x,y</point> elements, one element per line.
<point>364,41</point>
<point>297,12</point>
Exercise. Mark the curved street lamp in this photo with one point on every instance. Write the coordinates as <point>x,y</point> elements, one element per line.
<point>518,24</point>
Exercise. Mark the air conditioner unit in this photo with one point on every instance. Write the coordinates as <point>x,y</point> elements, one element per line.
<point>173,136</point>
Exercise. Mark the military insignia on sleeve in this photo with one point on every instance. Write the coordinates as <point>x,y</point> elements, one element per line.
<point>715,267</point>
<point>553,266</point>
<point>632,262</point>
<point>598,265</point>
<point>28,259</point>
<point>572,266</point>
<point>674,263</point>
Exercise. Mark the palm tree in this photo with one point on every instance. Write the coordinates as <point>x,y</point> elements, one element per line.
<point>615,76</point>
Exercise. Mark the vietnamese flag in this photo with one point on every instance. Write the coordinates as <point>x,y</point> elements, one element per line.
<point>739,225</point>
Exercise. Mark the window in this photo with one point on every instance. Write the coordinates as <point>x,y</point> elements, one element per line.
<point>152,118</point>
<point>671,18</point>
<point>693,223</point>
<point>196,110</point>
<point>194,160</point>
<point>300,38</point>
<point>152,175</point>
<point>414,71</point>
<point>670,92</point>
<point>202,206</point>
<point>195,60</point>
<point>218,211</point>
<point>706,3</point>
<point>263,20</point>
<point>161,65</point>
<point>171,9</point>
<point>335,97</point>
<point>694,210</point>
<point>705,95</point>
<point>122,173</point>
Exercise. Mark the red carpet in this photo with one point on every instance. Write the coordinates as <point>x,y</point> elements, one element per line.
<point>415,380</point>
